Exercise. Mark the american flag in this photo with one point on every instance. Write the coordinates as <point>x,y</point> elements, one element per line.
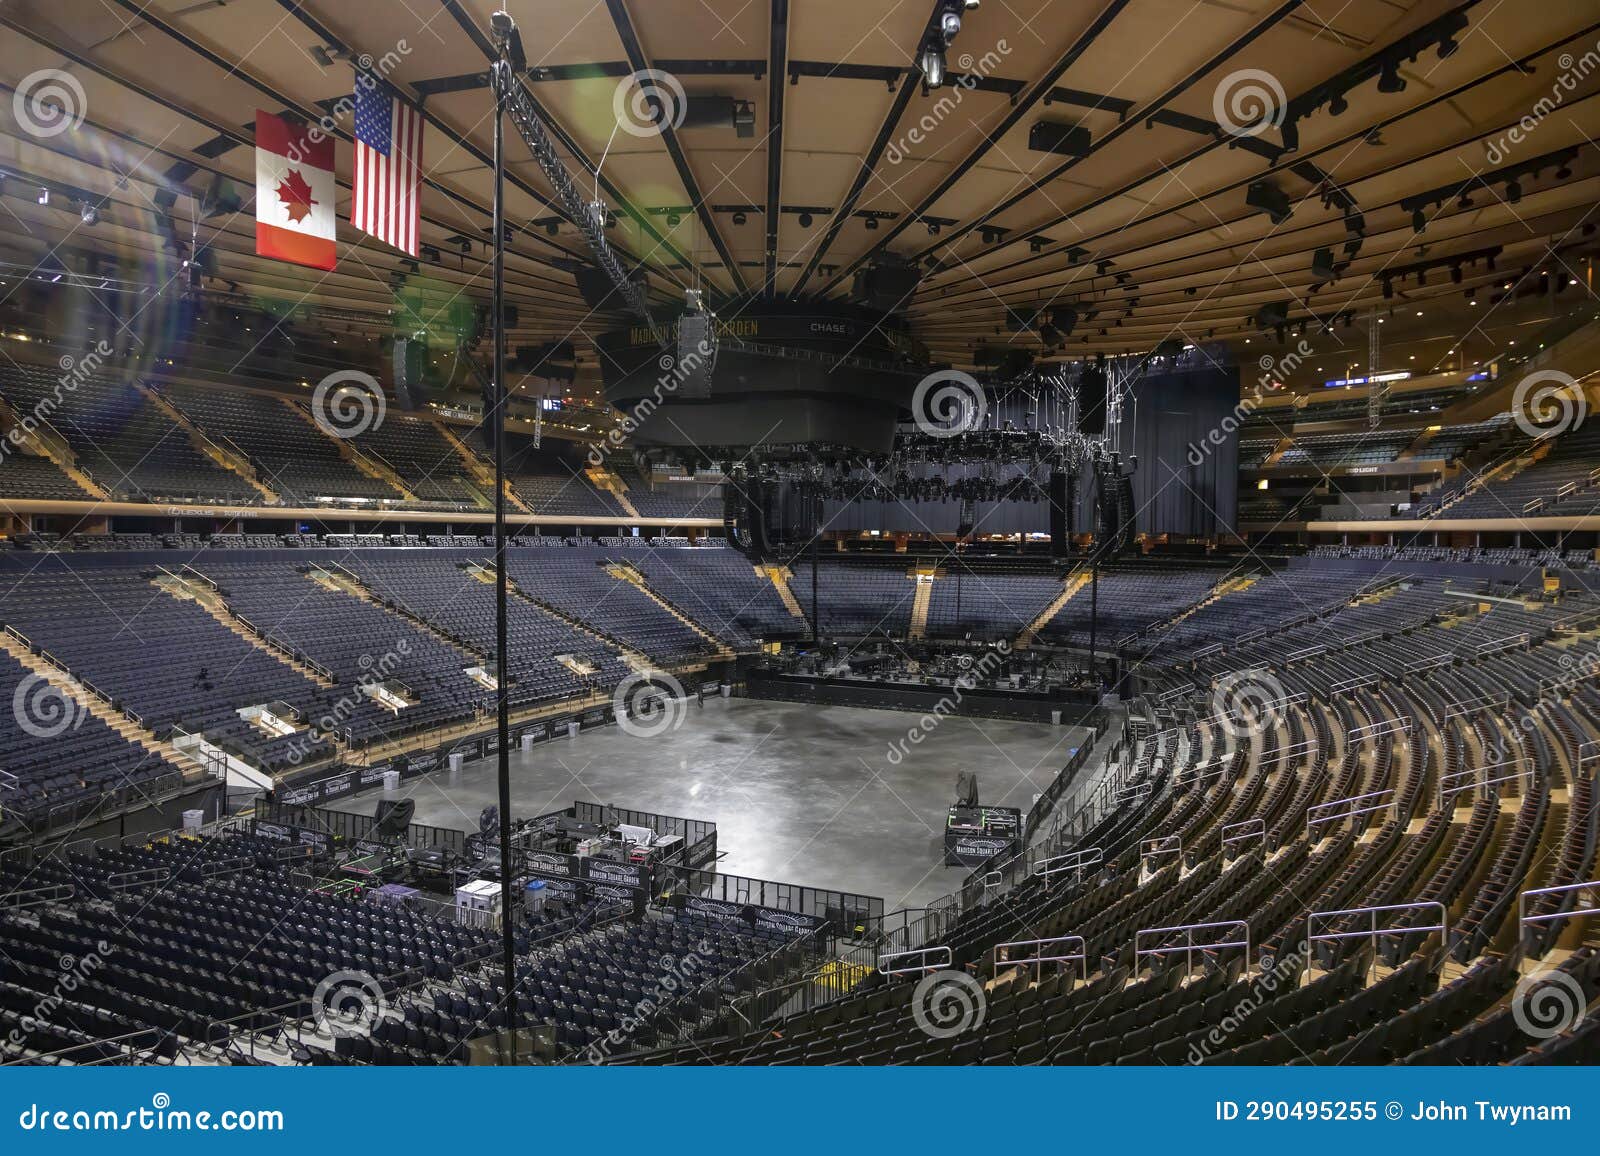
<point>388,166</point>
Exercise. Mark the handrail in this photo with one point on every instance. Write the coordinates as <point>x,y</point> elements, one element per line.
<point>20,900</point>
<point>1386,795</point>
<point>1160,845</point>
<point>139,877</point>
<point>1071,861</point>
<point>1189,945</point>
<point>1374,933</point>
<point>1453,783</point>
<point>1245,831</point>
<point>1526,921</point>
<point>1037,962</point>
<point>921,953</point>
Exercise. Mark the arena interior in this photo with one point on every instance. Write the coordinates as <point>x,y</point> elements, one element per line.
<point>799,532</point>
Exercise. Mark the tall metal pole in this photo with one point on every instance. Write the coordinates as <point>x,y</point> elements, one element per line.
<point>508,944</point>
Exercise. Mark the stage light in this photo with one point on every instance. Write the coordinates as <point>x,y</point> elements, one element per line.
<point>1338,106</point>
<point>872,224</point>
<point>739,218</point>
<point>950,25</point>
<point>933,228</point>
<point>1270,199</point>
<point>1513,191</point>
<point>1389,80</point>
<point>933,65</point>
<point>1419,221</point>
<point>88,214</point>
<point>805,220</point>
<point>44,195</point>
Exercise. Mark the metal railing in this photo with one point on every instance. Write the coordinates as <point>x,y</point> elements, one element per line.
<point>1189,946</point>
<point>928,959</point>
<point>1001,955</point>
<point>1237,836</point>
<point>1374,932</point>
<point>1453,783</point>
<point>1526,923</point>
<point>1352,807</point>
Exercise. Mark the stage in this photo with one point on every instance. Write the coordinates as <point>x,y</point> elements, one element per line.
<point>827,796</point>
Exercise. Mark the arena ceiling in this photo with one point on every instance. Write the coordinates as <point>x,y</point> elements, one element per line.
<point>1172,110</point>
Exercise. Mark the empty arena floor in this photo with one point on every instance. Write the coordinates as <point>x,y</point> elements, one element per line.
<point>800,794</point>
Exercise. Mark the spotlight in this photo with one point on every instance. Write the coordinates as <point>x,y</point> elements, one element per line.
<point>88,214</point>
<point>1389,80</point>
<point>44,195</point>
<point>805,220</point>
<point>933,65</point>
<point>672,220</point>
<point>1419,221</point>
<point>1388,288</point>
<point>933,228</point>
<point>1322,265</point>
<point>739,218</point>
<point>1338,106</point>
<point>1513,191</point>
<point>950,25</point>
<point>1270,199</point>
<point>872,224</point>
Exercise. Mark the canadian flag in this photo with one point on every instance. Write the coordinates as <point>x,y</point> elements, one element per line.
<point>295,190</point>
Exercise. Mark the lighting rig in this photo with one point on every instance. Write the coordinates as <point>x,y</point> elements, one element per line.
<point>945,28</point>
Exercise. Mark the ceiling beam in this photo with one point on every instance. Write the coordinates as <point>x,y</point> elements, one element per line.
<point>639,62</point>
<point>1044,88</point>
<point>476,35</point>
<point>779,55</point>
<point>222,130</point>
<point>1241,42</point>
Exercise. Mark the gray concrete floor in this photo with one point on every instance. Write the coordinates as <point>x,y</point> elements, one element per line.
<point>800,794</point>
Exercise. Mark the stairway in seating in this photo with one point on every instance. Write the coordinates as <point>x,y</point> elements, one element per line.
<point>100,708</point>
<point>371,465</point>
<point>924,577</point>
<point>479,470</point>
<point>603,479</point>
<point>626,573</point>
<point>49,444</point>
<point>1073,584</point>
<point>779,577</point>
<point>230,460</point>
<point>190,584</point>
